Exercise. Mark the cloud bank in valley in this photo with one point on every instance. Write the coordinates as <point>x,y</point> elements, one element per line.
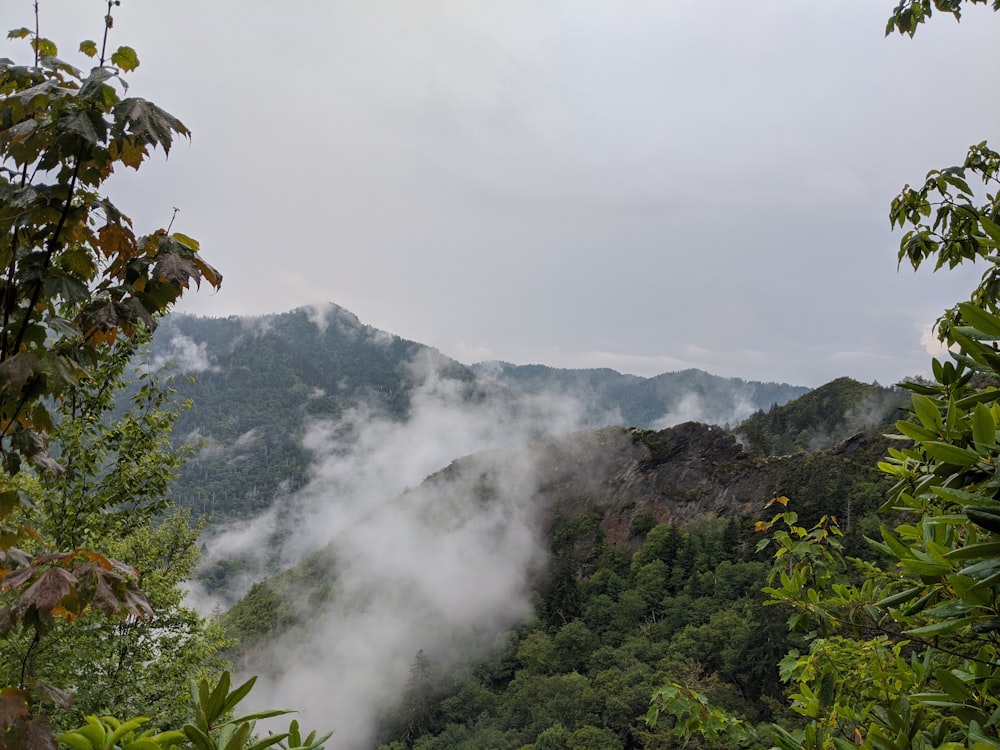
<point>441,567</point>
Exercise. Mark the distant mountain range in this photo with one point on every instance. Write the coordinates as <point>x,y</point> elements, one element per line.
<point>258,383</point>
<point>376,504</point>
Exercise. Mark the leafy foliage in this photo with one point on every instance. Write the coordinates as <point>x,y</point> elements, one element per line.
<point>905,653</point>
<point>212,728</point>
<point>75,278</point>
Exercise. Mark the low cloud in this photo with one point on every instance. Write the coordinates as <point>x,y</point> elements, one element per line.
<point>184,355</point>
<point>693,408</point>
<point>441,567</point>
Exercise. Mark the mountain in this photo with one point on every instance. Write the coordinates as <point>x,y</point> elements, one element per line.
<point>601,554</point>
<point>649,403</point>
<point>823,417</point>
<point>258,385</point>
<point>480,556</point>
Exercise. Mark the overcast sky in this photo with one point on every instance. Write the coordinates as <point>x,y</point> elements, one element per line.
<point>647,185</point>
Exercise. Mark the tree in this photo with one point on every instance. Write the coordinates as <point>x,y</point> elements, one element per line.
<point>75,278</point>
<point>905,654</point>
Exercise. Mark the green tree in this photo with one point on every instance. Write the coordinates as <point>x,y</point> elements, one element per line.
<point>905,654</point>
<point>75,278</point>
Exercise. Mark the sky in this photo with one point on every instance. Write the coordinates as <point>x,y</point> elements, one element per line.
<point>647,186</point>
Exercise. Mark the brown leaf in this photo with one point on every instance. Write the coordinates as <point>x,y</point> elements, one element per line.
<point>18,577</point>
<point>176,270</point>
<point>137,604</point>
<point>51,693</point>
<point>32,734</point>
<point>45,593</point>
<point>16,371</point>
<point>116,240</point>
<point>13,705</point>
<point>14,557</point>
<point>104,599</point>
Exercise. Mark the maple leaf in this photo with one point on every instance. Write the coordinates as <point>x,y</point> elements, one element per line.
<point>46,593</point>
<point>34,733</point>
<point>176,270</point>
<point>147,123</point>
<point>13,705</point>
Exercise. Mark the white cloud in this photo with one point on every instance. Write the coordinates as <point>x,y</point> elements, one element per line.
<point>932,344</point>
<point>185,356</point>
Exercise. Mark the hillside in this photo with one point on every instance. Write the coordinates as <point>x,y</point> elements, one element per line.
<point>823,417</point>
<point>649,403</point>
<point>562,543</point>
<point>257,386</point>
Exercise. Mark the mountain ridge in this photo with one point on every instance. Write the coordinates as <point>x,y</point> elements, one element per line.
<point>259,381</point>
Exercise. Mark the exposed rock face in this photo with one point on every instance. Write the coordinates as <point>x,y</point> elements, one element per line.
<point>684,473</point>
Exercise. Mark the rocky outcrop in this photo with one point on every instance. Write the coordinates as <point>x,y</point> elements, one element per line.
<point>683,474</point>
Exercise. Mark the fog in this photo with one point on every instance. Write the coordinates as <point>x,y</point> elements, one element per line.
<point>443,566</point>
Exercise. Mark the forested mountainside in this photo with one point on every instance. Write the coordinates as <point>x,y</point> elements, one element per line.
<point>823,417</point>
<point>648,403</point>
<point>257,383</point>
<point>629,559</point>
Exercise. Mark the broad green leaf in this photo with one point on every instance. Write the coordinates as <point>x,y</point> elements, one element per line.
<point>981,569</point>
<point>927,412</point>
<point>125,58</point>
<point>940,628</point>
<point>237,695</point>
<point>980,319</point>
<point>916,432</point>
<point>988,518</point>
<point>89,48</point>
<point>991,228</point>
<point>966,589</point>
<point>951,454</point>
<point>266,742</point>
<point>962,497</point>
<point>147,123</point>
<point>902,551</point>
<point>902,596</point>
<point>257,715</point>
<point>188,242</point>
<point>975,551</point>
<point>984,429</point>
<point>953,685</point>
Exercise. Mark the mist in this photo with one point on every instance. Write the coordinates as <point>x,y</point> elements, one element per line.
<point>420,550</point>
<point>440,567</point>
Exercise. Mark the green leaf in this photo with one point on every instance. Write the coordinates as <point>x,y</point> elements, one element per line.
<point>266,742</point>
<point>992,229</point>
<point>982,517</point>
<point>927,412</point>
<point>916,432</point>
<point>89,48</point>
<point>77,741</point>
<point>901,596</point>
<point>952,685</point>
<point>980,319</point>
<point>940,628</point>
<point>237,695</point>
<point>21,33</point>
<point>951,454</point>
<point>188,242</point>
<point>198,738</point>
<point>899,549</point>
<point>984,428</point>
<point>125,58</point>
<point>257,715</point>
